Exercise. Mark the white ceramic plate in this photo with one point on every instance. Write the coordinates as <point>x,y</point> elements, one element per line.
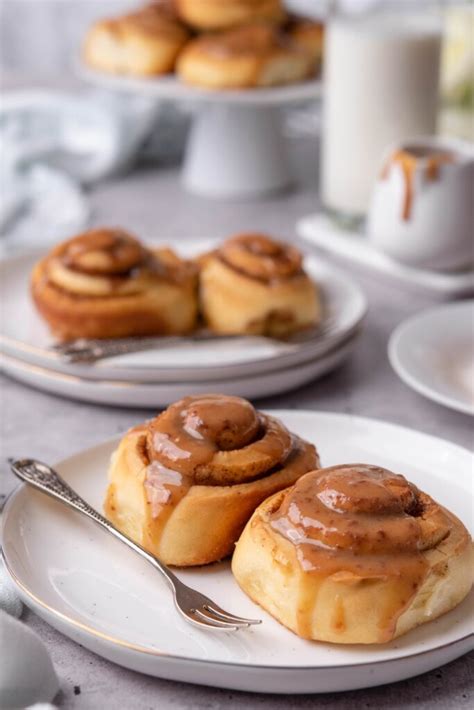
<point>24,336</point>
<point>320,231</point>
<point>433,353</point>
<point>151,394</point>
<point>93,589</point>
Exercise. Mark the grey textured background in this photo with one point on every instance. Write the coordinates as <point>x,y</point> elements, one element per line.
<point>36,40</point>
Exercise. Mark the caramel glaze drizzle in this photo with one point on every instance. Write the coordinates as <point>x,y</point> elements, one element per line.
<point>408,161</point>
<point>360,523</point>
<point>259,257</point>
<point>209,440</point>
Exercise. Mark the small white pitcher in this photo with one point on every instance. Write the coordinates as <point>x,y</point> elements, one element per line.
<point>422,205</point>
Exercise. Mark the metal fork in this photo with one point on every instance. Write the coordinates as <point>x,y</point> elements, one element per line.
<point>192,605</point>
<point>89,351</point>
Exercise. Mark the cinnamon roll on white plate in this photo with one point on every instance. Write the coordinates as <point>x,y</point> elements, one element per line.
<point>106,284</point>
<point>354,554</point>
<point>184,484</point>
<point>256,285</point>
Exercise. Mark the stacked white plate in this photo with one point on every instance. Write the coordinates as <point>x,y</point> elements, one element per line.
<point>249,367</point>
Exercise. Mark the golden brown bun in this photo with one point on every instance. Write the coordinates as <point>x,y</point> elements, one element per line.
<point>308,35</point>
<point>354,554</point>
<point>145,42</point>
<point>184,484</point>
<point>247,57</point>
<point>105,284</point>
<point>224,14</point>
<point>253,284</point>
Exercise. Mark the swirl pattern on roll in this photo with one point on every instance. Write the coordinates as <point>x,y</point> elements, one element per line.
<point>217,440</point>
<point>260,257</point>
<point>103,262</point>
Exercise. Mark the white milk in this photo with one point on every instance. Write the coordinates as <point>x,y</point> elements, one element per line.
<point>381,86</point>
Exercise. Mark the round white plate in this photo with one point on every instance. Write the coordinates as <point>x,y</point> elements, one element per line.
<point>151,394</point>
<point>23,335</point>
<point>433,353</point>
<point>170,87</point>
<point>95,590</point>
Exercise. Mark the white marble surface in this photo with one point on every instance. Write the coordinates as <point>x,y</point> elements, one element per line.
<point>151,203</point>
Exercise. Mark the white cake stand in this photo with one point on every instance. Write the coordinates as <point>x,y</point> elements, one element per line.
<point>236,147</point>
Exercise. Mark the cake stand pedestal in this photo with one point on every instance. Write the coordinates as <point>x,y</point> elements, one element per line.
<point>236,146</point>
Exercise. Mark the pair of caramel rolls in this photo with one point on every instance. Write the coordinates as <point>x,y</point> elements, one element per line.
<point>106,284</point>
<point>347,554</point>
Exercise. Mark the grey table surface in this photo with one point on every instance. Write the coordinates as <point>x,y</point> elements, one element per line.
<point>151,202</point>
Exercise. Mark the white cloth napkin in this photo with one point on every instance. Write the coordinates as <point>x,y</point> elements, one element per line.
<point>53,143</point>
<point>27,675</point>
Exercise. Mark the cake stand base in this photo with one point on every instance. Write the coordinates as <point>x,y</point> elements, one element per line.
<point>236,151</point>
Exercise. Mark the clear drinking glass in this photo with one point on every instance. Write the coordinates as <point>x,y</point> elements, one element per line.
<point>381,81</point>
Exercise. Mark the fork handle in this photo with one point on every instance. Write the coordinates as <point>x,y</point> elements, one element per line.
<point>47,480</point>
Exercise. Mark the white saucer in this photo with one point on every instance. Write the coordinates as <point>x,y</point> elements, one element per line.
<point>155,395</point>
<point>93,589</point>
<point>433,353</point>
<point>320,230</point>
<point>24,336</point>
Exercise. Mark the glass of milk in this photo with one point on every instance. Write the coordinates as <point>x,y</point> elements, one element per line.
<point>381,86</point>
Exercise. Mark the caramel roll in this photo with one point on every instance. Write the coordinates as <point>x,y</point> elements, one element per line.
<point>144,42</point>
<point>184,484</point>
<point>225,14</point>
<point>361,554</point>
<point>254,284</point>
<point>254,55</point>
<point>105,283</point>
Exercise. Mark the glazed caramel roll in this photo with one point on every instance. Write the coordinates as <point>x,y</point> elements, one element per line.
<point>184,484</point>
<point>225,14</point>
<point>254,55</point>
<point>354,554</point>
<point>144,42</point>
<point>106,284</point>
<point>256,285</point>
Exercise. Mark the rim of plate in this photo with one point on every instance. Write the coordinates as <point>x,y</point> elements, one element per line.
<point>411,380</point>
<point>187,659</point>
<point>305,351</point>
<point>74,379</point>
<point>172,87</point>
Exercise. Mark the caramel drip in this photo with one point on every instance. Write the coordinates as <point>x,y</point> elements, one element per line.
<point>211,440</point>
<point>217,440</point>
<point>360,524</point>
<point>260,257</point>
<point>408,161</point>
